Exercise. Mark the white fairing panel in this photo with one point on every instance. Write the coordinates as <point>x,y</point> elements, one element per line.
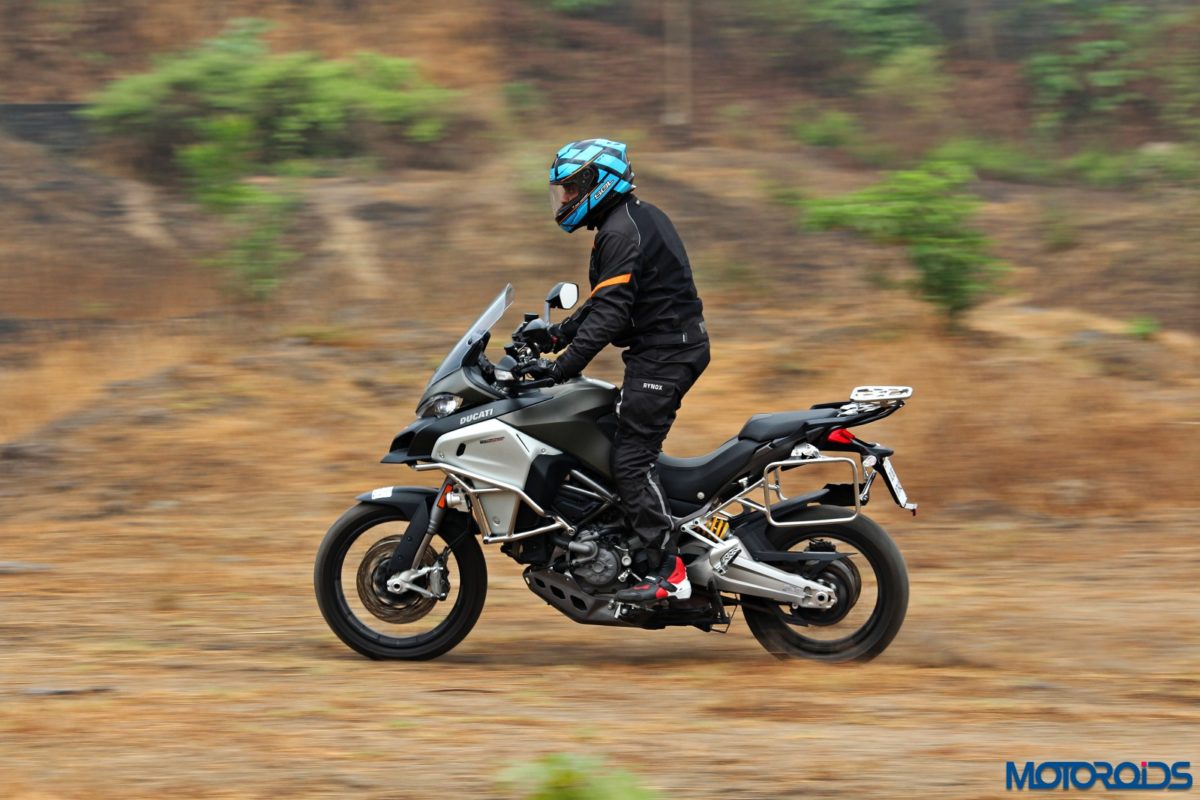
<point>498,451</point>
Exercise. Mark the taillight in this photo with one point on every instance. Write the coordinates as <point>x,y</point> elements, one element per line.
<point>840,436</point>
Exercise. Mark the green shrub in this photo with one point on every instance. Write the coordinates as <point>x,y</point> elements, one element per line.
<point>254,260</point>
<point>1100,168</point>
<point>911,78</point>
<point>825,128</point>
<point>229,109</point>
<point>1175,164</point>
<point>867,29</point>
<point>926,211</point>
<point>1096,59</point>
<point>1179,73</point>
<point>1143,327</point>
<point>1086,79</point>
<point>294,104</point>
<point>581,6</point>
<point>1165,163</point>
<point>562,776</point>
<point>216,166</point>
<point>994,159</point>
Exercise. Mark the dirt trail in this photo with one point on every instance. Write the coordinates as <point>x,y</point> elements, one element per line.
<point>1012,650</point>
<point>348,241</point>
<point>162,497</point>
<point>173,643</point>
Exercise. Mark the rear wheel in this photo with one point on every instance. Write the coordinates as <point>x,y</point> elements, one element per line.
<point>871,584</point>
<point>351,577</point>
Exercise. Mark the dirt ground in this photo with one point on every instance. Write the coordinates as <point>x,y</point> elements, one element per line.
<point>160,633</point>
<point>181,653</point>
<point>168,467</point>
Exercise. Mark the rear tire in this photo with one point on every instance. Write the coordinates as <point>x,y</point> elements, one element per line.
<point>359,634</point>
<point>782,639</point>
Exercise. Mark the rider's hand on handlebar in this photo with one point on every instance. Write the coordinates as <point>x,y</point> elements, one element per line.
<point>541,368</point>
<point>558,338</point>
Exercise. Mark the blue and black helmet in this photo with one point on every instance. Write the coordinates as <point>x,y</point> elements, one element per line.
<point>586,178</point>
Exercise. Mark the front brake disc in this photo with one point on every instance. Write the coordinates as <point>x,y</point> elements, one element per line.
<point>372,585</point>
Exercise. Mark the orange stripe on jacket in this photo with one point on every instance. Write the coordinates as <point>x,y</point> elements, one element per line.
<point>611,282</point>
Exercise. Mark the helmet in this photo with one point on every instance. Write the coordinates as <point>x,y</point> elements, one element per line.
<point>587,178</point>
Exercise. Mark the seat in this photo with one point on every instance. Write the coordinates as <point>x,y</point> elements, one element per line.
<point>765,427</point>
<point>685,479</point>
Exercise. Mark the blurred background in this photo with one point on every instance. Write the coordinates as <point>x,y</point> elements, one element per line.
<point>236,237</point>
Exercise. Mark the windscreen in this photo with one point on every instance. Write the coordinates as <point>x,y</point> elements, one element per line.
<point>490,316</point>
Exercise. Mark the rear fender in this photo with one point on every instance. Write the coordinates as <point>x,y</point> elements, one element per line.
<point>753,530</point>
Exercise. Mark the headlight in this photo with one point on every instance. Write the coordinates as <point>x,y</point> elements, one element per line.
<point>439,405</point>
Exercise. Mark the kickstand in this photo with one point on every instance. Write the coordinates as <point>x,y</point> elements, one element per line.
<point>716,592</point>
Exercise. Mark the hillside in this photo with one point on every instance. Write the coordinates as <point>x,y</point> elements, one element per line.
<point>171,452</point>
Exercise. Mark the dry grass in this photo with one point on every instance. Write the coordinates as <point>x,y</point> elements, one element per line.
<point>1053,564</point>
<point>179,605</point>
<point>67,378</point>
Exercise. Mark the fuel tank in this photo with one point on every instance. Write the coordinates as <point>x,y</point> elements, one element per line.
<point>574,421</point>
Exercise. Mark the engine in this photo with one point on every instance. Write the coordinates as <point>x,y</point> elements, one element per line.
<point>605,569</point>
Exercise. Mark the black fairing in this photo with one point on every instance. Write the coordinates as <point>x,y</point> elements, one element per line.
<point>571,421</point>
<point>416,441</point>
<point>546,475</point>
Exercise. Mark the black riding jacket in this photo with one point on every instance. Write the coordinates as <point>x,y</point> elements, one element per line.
<point>643,294</point>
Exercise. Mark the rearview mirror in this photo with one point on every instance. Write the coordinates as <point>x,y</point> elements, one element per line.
<point>563,295</point>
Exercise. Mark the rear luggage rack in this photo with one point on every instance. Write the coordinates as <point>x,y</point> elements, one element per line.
<point>802,456</point>
<point>883,395</point>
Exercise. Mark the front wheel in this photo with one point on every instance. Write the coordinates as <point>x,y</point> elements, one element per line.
<point>351,578</point>
<point>871,584</point>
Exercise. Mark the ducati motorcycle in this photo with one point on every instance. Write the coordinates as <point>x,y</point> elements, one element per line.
<point>401,575</point>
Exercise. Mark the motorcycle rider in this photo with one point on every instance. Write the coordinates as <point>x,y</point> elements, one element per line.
<point>643,299</point>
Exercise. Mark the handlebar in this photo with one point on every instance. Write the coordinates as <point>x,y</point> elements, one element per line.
<point>529,341</point>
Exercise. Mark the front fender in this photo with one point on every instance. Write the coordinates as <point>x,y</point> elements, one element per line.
<point>406,498</point>
<point>417,503</point>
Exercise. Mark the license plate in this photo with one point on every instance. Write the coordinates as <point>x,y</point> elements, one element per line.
<point>897,490</point>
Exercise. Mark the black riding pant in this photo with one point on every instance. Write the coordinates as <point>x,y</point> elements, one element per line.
<point>656,380</point>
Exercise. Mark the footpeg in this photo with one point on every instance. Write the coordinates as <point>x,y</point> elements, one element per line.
<point>721,556</point>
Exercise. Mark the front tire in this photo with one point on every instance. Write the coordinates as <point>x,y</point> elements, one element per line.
<point>382,625</point>
<point>877,604</point>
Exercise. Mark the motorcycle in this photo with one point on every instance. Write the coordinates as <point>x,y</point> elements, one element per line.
<point>401,575</point>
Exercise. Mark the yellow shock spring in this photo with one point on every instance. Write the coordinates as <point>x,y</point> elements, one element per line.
<point>718,527</point>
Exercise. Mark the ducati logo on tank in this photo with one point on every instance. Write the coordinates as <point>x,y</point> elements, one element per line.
<point>478,415</point>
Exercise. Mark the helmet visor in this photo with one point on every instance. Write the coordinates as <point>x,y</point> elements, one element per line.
<point>565,198</point>
<point>558,195</point>
<point>567,194</point>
